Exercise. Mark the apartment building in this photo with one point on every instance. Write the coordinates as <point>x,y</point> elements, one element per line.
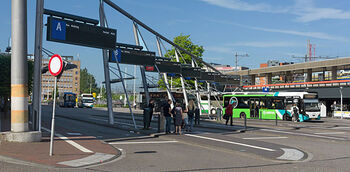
<point>68,82</point>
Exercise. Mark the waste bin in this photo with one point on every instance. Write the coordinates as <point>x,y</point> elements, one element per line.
<point>218,114</point>
<point>146,117</point>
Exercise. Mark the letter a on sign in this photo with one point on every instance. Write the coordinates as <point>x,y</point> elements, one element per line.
<point>58,29</point>
<point>59,26</point>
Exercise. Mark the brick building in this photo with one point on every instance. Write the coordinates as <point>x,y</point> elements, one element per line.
<point>68,82</point>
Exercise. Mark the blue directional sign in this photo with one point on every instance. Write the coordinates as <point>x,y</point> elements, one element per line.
<point>266,89</point>
<point>58,29</point>
<point>117,53</point>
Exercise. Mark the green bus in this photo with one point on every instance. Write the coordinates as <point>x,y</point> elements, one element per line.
<point>268,105</point>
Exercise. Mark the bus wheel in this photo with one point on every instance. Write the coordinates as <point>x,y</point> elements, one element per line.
<point>242,115</point>
<point>213,111</point>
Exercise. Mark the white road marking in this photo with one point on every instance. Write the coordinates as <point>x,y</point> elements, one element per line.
<point>303,134</point>
<point>150,142</point>
<point>74,134</point>
<point>340,128</point>
<point>76,145</point>
<point>263,138</point>
<point>230,142</point>
<point>291,154</point>
<point>331,133</point>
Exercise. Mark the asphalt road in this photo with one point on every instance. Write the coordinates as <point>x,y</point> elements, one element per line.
<point>309,146</point>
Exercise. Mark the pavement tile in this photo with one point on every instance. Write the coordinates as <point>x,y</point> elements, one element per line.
<point>38,152</point>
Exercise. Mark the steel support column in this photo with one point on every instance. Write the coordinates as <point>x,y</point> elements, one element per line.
<point>170,96</point>
<point>197,91</point>
<point>334,73</point>
<point>106,72</point>
<point>309,75</point>
<point>36,105</point>
<point>269,78</point>
<point>182,80</point>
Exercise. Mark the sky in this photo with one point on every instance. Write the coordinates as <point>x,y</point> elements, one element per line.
<point>265,30</point>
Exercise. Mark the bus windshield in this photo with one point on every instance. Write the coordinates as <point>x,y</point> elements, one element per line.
<point>88,101</point>
<point>312,107</point>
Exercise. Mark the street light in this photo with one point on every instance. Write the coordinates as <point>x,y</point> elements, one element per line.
<point>341,101</point>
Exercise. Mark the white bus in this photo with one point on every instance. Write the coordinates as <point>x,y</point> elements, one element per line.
<point>86,100</point>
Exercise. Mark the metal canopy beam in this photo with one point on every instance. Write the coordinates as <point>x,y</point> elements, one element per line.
<point>116,7</point>
<point>118,80</point>
<point>70,16</point>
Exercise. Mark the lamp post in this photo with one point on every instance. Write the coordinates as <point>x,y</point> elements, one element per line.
<point>341,101</point>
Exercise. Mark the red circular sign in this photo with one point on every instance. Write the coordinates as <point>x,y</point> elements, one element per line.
<point>55,65</point>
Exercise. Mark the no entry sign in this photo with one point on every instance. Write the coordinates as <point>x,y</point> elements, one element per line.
<point>55,65</point>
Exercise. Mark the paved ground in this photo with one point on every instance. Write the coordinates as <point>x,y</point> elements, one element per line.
<point>311,146</point>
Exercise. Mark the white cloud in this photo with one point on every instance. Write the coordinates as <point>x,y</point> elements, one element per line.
<point>219,49</point>
<point>265,44</point>
<point>318,35</point>
<point>305,10</point>
<point>244,6</point>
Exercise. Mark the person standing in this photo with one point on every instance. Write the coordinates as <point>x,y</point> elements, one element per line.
<point>167,115</point>
<point>190,113</point>
<point>151,107</point>
<point>228,113</point>
<point>178,118</point>
<point>295,110</point>
<point>196,116</point>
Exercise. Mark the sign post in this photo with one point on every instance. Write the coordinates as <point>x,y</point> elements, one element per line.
<point>55,68</point>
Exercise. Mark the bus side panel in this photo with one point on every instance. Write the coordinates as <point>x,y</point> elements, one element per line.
<point>268,114</point>
<point>237,112</point>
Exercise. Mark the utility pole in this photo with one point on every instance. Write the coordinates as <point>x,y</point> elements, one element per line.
<point>237,55</point>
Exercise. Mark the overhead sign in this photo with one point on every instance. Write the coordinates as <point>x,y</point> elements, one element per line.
<point>134,57</point>
<point>265,89</point>
<point>189,71</point>
<point>83,34</point>
<point>55,65</point>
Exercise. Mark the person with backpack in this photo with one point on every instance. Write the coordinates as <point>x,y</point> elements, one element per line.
<point>295,115</point>
<point>178,118</point>
<point>190,113</point>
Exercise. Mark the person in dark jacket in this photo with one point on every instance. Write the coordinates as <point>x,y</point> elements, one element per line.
<point>167,114</point>
<point>228,113</point>
<point>151,107</point>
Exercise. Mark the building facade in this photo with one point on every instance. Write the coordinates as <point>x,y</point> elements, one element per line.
<point>68,82</point>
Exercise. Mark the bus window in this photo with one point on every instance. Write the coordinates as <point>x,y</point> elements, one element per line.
<point>226,101</point>
<point>243,102</point>
<point>278,103</point>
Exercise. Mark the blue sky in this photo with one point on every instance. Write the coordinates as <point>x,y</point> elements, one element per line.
<point>266,30</point>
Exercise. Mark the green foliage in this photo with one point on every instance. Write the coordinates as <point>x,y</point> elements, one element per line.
<point>5,75</point>
<point>85,80</point>
<point>185,42</point>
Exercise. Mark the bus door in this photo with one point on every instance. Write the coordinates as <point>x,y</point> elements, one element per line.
<point>254,107</point>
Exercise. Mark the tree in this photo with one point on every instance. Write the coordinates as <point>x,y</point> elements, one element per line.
<point>87,79</point>
<point>185,42</point>
<point>5,83</point>
<point>5,75</point>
